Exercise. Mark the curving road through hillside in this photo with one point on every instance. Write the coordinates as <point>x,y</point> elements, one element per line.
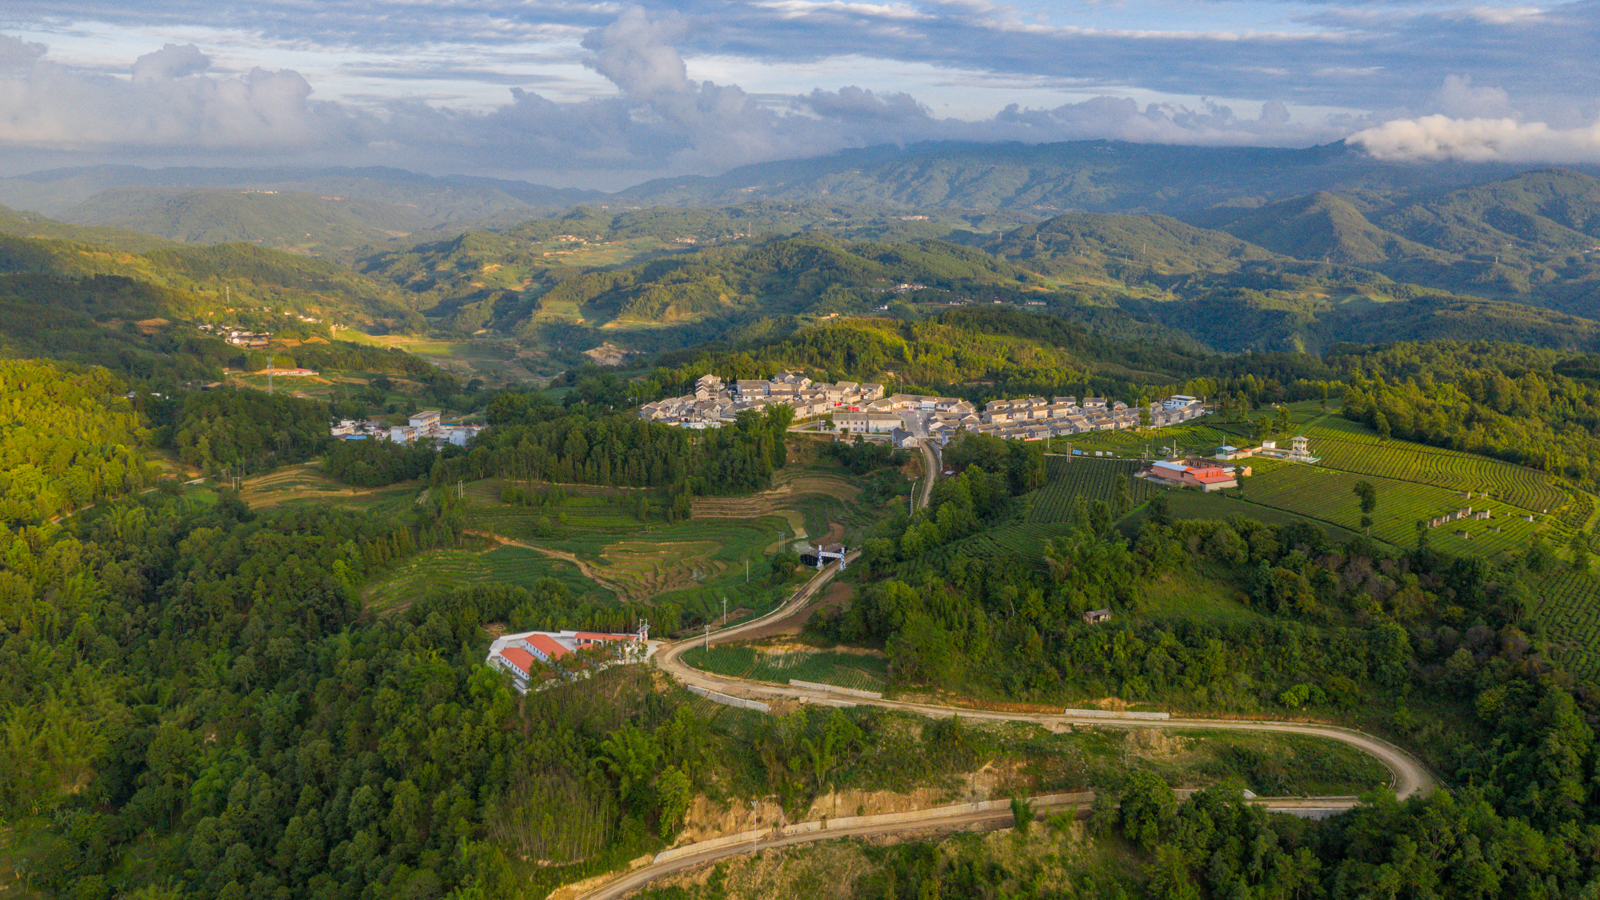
<point>953,818</point>
<point>1409,775</point>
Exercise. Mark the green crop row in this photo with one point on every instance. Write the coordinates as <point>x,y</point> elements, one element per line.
<point>1093,479</point>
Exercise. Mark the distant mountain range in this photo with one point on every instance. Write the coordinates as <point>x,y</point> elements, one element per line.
<point>1230,249</point>
<point>328,211</point>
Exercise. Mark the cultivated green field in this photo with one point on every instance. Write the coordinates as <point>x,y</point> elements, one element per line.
<point>1094,479</point>
<point>849,670</point>
<point>1328,495</point>
<point>593,539</point>
<point>450,569</point>
<point>1567,609</point>
<point>1415,483</point>
<point>1350,447</point>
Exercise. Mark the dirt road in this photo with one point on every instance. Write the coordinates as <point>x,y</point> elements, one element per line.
<point>1409,775</point>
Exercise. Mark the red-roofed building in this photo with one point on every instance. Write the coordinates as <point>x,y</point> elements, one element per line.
<point>518,662</point>
<point>553,656</point>
<point>545,647</point>
<point>1191,473</point>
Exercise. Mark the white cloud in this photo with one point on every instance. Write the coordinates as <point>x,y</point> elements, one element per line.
<point>167,103</point>
<point>170,62</point>
<point>1459,99</point>
<point>1440,137</point>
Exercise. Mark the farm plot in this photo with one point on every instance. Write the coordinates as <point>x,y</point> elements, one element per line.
<point>306,482</point>
<point>647,568</point>
<point>848,670</point>
<point>809,500</point>
<point>1567,608</point>
<point>1328,495</point>
<point>445,570</point>
<point>1094,479</point>
<point>1195,505</point>
<point>1193,439</point>
<point>1024,541</point>
<point>1350,447</point>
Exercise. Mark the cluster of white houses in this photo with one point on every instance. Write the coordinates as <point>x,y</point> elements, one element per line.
<point>714,403</point>
<point>1035,418</point>
<point>238,337</point>
<point>533,657</point>
<point>425,425</point>
<point>863,409</point>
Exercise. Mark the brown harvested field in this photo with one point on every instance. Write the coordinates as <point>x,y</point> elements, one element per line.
<point>302,482</point>
<point>780,501</point>
<point>837,595</point>
<point>640,569</point>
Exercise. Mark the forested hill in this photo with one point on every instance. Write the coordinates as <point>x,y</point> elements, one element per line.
<point>1531,237</point>
<point>813,273</point>
<point>1090,176</point>
<point>438,199</point>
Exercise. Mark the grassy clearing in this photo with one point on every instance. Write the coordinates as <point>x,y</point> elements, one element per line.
<point>1192,597</point>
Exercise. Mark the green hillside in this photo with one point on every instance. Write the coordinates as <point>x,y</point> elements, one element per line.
<point>1538,213</point>
<point>1093,176</point>
<point>439,199</point>
<point>34,225</point>
<point>283,220</point>
<point>1088,244</point>
<point>1324,227</point>
<point>1528,238</point>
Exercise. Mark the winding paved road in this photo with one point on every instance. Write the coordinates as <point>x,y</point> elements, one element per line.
<point>1409,775</point>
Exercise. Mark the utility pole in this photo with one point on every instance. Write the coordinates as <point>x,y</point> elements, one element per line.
<point>708,637</point>
<point>911,504</point>
<point>753,805</point>
<point>724,610</point>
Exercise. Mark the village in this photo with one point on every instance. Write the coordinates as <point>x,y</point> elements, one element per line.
<point>906,419</point>
<point>424,425</point>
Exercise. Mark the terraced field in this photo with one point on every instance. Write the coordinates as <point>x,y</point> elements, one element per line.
<point>306,482</point>
<point>1328,495</point>
<point>451,569</point>
<point>1350,447</point>
<point>808,500</point>
<point>1567,608</point>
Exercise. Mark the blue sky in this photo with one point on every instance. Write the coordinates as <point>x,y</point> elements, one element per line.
<point>605,94</point>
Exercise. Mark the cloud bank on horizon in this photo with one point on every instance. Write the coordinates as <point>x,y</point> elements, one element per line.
<point>602,94</point>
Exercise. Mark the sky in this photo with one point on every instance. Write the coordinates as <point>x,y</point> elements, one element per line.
<point>595,94</point>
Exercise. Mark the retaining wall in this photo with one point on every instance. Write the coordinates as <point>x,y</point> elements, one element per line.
<point>835,689</point>
<point>726,700</point>
<point>1117,714</point>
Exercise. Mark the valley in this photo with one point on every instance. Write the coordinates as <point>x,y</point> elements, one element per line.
<point>245,646</point>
